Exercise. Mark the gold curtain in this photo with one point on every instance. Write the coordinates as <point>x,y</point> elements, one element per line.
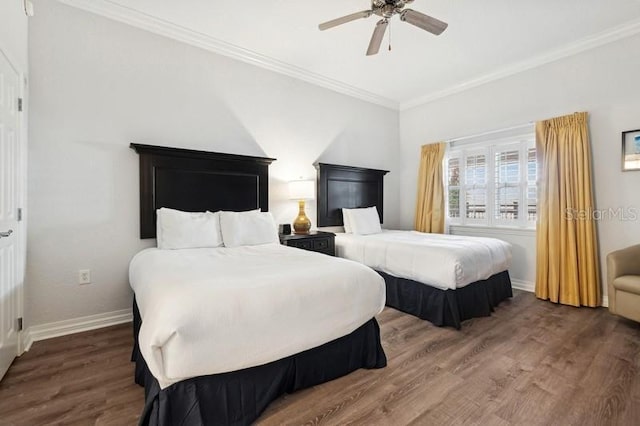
<point>430,206</point>
<point>567,269</point>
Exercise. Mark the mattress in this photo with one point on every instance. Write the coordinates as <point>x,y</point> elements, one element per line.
<point>216,310</point>
<point>441,261</point>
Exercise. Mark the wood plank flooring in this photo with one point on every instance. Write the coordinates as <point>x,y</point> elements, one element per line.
<point>530,363</point>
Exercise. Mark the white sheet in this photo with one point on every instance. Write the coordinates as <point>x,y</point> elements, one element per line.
<point>442,261</point>
<point>214,310</point>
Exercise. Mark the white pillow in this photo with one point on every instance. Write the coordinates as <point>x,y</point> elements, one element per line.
<point>364,221</point>
<point>176,229</point>
<point>248,228</point>
<point>346,220</point>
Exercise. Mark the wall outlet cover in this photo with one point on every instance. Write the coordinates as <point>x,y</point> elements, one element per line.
<point>84,276</point>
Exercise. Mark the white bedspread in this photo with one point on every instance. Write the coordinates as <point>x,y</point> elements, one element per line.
<point>442,261</point>
<point>214,310</point>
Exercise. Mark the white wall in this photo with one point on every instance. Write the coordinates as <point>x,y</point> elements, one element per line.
<point>13,32</point>
<point>97,85</point>
<point>603,81</point>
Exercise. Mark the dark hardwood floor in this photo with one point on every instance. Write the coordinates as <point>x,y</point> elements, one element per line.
<point>530,363</point>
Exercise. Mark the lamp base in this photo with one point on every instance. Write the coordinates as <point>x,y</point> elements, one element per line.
<point>302,231</point>
<point>301,224</point>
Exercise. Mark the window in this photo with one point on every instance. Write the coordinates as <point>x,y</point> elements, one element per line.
<point>532,185</point>
<point>475,191</point>
<point>453,179</point>
<point>493,184</point>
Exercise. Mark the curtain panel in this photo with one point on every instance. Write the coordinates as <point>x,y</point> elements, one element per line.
<point>567,269</point>
<point>430,209</point>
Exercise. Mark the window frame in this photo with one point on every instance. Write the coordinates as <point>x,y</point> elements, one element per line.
<point>490,148</point>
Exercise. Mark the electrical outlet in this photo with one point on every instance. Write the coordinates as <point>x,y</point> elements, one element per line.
<point>84,276</point>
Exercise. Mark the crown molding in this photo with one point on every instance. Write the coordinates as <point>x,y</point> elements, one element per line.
<point>591,42</point>
<point>168,29</point>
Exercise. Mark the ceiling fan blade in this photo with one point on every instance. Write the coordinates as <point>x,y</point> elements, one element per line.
<point>376,38</point>
<point>426,22</point>
<point>344,19</point>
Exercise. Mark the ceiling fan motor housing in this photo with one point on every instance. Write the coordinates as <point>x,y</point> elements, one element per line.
<point>388,8</point>
<point>396,3</point>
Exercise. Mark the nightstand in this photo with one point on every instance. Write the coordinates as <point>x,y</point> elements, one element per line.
<point>318,241</point>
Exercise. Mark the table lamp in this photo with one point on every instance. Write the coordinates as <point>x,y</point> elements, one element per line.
<point>301,190</point>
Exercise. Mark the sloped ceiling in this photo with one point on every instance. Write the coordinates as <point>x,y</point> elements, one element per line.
<point>485,40</point>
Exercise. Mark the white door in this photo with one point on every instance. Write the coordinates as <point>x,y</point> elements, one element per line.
<point>10,172</point>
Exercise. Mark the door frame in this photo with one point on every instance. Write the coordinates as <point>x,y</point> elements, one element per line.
<point>22,202</point>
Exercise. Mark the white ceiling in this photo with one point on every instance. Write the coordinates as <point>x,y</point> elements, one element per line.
<point>485,39</point>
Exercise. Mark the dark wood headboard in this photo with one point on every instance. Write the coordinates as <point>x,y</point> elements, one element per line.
<point>197,181</point>
<point>347,187</point>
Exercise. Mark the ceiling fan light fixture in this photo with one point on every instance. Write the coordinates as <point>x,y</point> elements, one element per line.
<point>386,9</point>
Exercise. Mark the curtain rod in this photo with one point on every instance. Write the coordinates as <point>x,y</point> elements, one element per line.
<point>477,135</point>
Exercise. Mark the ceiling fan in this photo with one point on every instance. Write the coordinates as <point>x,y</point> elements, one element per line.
<point>386,9</point>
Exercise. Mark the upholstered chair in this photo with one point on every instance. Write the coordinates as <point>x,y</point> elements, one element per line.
<point>623,276</point>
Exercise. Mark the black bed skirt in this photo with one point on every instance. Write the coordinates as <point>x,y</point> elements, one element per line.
<point>447,307</point>
<point>239,397</point>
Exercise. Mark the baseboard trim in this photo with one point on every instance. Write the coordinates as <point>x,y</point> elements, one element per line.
<point>531,288</point>
<point>523,285</point>
<point>74,325</point>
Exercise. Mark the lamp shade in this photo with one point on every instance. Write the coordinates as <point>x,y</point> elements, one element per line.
<point>301,190</point>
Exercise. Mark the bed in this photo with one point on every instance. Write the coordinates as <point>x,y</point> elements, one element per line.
<point>444,279</point>
<point>212,346</point>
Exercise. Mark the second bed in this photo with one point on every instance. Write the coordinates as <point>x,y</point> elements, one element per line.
<point>444,279</point>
